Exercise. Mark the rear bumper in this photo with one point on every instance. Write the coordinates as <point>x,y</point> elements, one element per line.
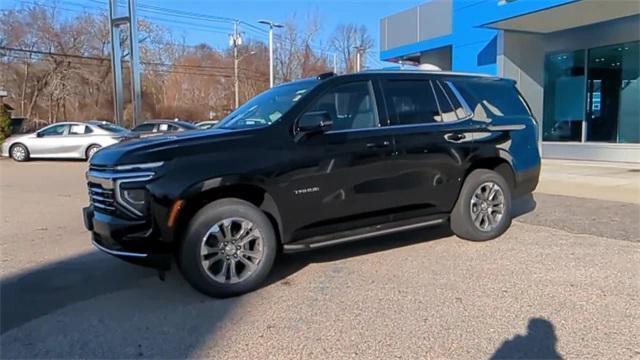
<point>131,241</point>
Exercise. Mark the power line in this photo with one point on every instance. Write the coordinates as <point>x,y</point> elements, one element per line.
<point>96,58</point>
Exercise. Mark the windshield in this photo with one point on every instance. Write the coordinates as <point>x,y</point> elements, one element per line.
<point>112,128</point>
<point>268,107</point>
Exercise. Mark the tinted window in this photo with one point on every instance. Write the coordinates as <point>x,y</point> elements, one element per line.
<point>144,127</point>
<point>495,98</point>
<point>53,130</point>
<point>455,102</point>
<point>350,106</point>
<point>445,104</point>
<point>112,128</point>
<point>411,102</point>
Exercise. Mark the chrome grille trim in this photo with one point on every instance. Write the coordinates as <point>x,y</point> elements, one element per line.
<point>101,198</point>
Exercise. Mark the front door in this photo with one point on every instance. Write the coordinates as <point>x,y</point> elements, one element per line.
<point>49,141</point>
<point>340,176</point>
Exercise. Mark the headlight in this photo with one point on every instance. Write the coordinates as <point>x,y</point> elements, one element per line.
<point>131,194</point>
<point>136,199</point>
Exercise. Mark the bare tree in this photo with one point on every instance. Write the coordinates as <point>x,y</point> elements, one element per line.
<point>296,54</point>
<point>345,39</point>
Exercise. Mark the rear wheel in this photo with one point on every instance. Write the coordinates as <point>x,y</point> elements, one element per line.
<point>483,209</point>
<point>229,248</point>
<point>91,150</point>
<point>19,152</point>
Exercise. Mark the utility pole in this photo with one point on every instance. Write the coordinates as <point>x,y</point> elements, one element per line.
<point>335,63</point>
<point>235,41</point>
<point>134,63</point>
<point>271,25</point>
<point>116,22</point>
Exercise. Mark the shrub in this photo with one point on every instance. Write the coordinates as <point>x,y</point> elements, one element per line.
<point>5,123</point>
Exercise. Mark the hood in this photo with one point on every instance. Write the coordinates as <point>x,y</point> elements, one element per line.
<point>16,137</point>
<point>156,148</point>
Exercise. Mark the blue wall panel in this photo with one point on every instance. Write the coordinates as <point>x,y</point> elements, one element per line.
<point>474,46</point>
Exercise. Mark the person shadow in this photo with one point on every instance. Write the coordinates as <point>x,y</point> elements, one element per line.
<point>538,343</point>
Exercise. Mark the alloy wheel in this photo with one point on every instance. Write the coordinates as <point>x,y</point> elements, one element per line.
<point>231,250</point>
<point>487,206</point>
<point>19,153</point>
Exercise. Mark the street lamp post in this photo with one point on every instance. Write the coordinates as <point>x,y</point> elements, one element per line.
<point>271,26</point>
<point>359,50</point>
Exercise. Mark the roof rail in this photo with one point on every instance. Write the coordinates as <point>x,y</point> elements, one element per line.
<point>326,75</point>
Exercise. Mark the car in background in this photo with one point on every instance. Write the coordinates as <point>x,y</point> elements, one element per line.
<point>157,127</point>
<point>65,140</point>
<point>204,125</point>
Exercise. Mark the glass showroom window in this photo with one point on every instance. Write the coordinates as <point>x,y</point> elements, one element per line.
<point>613,94</point>
<point>564,96</point>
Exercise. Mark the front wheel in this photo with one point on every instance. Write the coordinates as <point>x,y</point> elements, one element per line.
<point>19,152</point>
<point>483,209</point>
<point>229,248</point>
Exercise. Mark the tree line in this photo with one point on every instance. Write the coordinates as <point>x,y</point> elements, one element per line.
<point>57,68</point>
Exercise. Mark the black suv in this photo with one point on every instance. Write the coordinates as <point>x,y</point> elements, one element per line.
<point>312,163</point>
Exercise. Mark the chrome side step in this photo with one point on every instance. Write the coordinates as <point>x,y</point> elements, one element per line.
<point>289,248</point>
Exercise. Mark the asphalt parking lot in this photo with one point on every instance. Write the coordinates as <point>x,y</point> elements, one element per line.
<point>562,282</point>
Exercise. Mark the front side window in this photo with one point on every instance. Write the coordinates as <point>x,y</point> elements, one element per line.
<point>412,102</point>
<point>350,106</point>
<point>53,130</point>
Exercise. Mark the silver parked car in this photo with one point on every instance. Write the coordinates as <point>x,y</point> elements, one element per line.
<point>69,140</point>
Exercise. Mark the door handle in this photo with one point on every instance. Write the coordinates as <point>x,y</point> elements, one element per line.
<point>379,145</point>
<point>455,137</point>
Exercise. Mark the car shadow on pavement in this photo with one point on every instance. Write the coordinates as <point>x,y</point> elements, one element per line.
<point>288,264</point>
<point>95,306</point>
<point>538,343</point>
<point>27,296</point>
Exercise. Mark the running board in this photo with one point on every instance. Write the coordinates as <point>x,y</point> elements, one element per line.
<point>368,232</point>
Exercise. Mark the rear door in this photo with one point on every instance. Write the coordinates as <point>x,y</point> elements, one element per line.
<point>77,140</point>
<point>431,142</point>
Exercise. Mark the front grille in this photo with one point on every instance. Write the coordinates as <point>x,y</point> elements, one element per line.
<point>102,199</point>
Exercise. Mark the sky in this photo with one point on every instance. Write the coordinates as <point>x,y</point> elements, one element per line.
<point>194,31</point>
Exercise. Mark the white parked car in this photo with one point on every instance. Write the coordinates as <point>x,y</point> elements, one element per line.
<point>68,140</point>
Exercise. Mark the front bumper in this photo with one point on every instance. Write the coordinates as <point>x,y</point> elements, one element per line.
<point>132,241</point>
<point>4,149</point>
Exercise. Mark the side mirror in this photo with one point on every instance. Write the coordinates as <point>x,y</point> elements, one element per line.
<point>315,122</point>
<point>39,134</point>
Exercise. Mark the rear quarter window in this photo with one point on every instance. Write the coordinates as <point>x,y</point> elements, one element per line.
<point>494,98</point>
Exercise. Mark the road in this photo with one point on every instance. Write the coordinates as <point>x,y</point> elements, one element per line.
<point>563,281</point>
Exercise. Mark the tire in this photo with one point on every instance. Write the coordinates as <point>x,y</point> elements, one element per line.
<point>90,151</point>
<point>470,219</point>
<point>206,234</point>
<point>19,152</point>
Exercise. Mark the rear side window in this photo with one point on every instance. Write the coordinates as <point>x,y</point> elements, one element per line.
<point>460,111</point>
<point>445,103</point>
<point>495,98</point>
<point>144,127</point>
<point>411,102</point>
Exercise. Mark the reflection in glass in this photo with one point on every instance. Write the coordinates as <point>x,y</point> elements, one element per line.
<point>564,96</point>
<point>613,94</point>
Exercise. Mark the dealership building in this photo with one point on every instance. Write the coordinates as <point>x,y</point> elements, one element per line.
<point>576,62</point>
